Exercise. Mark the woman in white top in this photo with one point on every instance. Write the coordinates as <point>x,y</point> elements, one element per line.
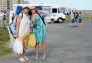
<point>23,25</point>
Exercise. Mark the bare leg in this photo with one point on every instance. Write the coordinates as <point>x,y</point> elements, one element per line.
<point>44,48</point>
<point>75,24</point>
<point>37,49</point>
<point>72,24</point>
<point>24,50</point>
<point>80,24</point>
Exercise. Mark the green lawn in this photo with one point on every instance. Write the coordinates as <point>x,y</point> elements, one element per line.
<point>4,39</point>
<point>68,18</point>
<point>87,13</point>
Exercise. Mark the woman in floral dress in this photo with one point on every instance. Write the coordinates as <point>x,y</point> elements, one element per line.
<point>39,30</point>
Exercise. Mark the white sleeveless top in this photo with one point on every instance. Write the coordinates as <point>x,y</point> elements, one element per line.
<point>24,25</point>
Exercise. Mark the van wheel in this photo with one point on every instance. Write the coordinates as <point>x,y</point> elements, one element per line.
<point>60,20</point>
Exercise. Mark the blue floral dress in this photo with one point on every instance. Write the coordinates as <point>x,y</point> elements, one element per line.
<point>39,30</point>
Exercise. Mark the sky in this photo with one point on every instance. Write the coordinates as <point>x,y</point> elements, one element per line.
<point>77,4</point>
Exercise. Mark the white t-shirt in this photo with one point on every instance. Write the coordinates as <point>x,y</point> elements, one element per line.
<point>10,16</point>
<point>1,14</point>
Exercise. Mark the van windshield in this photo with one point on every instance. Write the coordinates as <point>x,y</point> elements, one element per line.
<point>54,10</point>
<point>46,9</point>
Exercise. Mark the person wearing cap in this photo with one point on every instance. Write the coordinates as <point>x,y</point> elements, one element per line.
<point>39,30</point>
<point>22,26</point>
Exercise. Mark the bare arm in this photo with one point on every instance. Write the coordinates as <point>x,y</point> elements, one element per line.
<point>17,24</point>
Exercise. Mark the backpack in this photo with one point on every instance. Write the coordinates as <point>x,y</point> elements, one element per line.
<point>15,19</point>
<point>13,25</point>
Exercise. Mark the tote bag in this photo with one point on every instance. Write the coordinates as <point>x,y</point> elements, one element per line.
<point>31,41</point>
<point>18,47</point>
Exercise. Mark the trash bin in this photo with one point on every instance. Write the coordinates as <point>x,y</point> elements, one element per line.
<point>52,21</point>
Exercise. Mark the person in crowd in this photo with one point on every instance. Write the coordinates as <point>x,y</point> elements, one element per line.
<point>39,30</point>
<point>72,18</point>
<point>22,26</point>
<point>80,18</point>
<point>4,18</point>
<point>1,18</point>
<point>75,18</point>
<point>11,17</point>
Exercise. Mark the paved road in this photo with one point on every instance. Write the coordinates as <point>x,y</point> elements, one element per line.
<point>65,44</point>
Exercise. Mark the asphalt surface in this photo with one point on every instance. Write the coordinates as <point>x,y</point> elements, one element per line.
<point>65,44</point>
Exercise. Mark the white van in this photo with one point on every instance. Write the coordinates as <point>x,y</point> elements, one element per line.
<point>56,14</point>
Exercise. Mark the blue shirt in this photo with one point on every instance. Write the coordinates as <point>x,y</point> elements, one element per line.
<point>80,16</point>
